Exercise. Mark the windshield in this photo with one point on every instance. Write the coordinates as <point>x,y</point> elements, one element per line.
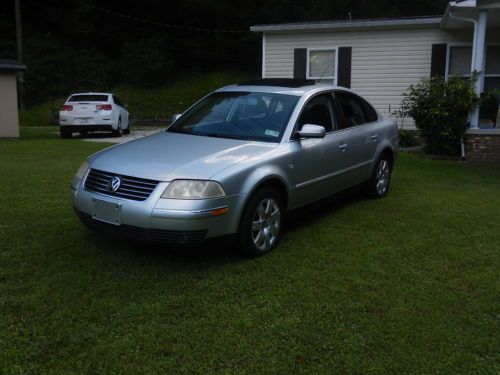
<point>88,98</point>
<point>251,116</point>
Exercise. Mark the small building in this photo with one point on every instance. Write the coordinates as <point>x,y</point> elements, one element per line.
<point>381,58</point>
<point>9,118</point>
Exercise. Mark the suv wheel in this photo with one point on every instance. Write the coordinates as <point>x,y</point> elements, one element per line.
<point>379,184</point>
<point>261,223</point>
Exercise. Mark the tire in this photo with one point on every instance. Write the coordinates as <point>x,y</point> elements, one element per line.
<point>65,134</point>
<point>379,183</point>
<point>262,223</point>
<point>119,131</point>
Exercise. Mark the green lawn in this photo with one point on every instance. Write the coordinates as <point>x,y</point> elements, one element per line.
<point>407,284</point>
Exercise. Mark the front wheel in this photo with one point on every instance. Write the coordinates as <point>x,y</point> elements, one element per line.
<point>262,223</point>
<point>379,184</point>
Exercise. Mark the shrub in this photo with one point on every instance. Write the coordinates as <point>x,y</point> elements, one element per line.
<point>441,110</point>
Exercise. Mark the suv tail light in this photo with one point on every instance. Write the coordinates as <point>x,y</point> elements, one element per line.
<point>66,107</point>
<point>103,107</point>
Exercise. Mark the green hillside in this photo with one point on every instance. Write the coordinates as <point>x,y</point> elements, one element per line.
<point>160,102</point>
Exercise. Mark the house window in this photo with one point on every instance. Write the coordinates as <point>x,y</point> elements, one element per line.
<point>322,65</point>
<point>459,63</point>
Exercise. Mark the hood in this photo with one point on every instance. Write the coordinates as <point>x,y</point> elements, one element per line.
<point>169,156</point>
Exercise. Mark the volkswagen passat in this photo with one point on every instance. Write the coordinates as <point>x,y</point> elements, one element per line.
<point>235,163</point>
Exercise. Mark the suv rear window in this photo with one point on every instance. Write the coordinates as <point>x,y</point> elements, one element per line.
<point>88,98</point>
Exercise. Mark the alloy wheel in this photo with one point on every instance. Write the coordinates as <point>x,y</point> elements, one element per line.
<point>266,224</point>
<point>383,177</point>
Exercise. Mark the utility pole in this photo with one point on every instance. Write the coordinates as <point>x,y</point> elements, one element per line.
<point>19,38</point>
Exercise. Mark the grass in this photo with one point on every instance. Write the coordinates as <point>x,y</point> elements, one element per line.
<point>408,284</point>
<point>160,102</point>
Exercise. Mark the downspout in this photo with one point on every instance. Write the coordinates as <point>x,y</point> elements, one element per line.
<point>473,61</point>
<point>474,22</point>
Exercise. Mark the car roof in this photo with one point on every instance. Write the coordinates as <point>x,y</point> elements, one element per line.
<point>281,86</point>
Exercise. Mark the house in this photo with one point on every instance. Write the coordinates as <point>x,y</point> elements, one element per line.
<point>9,121</point>
<point>381,58</point>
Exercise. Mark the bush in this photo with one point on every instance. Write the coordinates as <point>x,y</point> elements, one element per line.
<point>441,110</point>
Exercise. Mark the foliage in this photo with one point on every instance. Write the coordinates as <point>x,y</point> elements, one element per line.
<point>407,138</point>
<point>341,295</point>
<point>174,96</point>
<point>440,109</point>
<point>144,63</point>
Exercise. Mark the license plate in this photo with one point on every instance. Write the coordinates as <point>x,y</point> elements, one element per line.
<point>106,211</point>
<point>83,121</point>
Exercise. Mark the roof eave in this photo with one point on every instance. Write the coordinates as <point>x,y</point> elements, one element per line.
<point>348,25</point>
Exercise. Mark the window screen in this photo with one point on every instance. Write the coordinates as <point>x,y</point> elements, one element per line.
<point>460,60</point>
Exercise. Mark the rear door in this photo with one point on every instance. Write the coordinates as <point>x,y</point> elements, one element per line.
<point>123,111</point>
<point>358,136</point>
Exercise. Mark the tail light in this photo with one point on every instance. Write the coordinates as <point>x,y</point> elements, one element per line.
<point>66,107</point>
<point>103,107</point>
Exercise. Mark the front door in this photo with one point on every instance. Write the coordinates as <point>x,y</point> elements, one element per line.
<point>316,160</point>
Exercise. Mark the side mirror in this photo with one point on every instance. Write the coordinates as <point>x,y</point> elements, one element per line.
<point>311,131</point>
<point>176,116</point>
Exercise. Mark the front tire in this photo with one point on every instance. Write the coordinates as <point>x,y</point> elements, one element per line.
<point>262,223</point>
<point>379,184</point>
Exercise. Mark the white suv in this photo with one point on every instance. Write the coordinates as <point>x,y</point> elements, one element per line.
<point>88,112</point>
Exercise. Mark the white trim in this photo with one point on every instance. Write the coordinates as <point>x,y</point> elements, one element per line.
<point>263,55</point>
<point>312,49</point>
<point>354,24</point>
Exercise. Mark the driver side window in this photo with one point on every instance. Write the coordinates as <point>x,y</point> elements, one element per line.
<point>318,111</point>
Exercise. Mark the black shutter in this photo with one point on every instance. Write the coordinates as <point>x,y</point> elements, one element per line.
<point>438,60</point>
<point>299,63</point>
<point>344,69</point>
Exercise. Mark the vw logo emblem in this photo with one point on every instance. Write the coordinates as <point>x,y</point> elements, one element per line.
<point>114,184</point>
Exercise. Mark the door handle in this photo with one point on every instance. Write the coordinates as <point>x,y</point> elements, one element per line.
<point>374,137</point>
<point>343,147</point>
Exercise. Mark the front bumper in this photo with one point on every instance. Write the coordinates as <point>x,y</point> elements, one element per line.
<point>155,219</point>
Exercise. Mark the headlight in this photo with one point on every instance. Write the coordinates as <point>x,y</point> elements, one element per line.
<point>82,170</point>
<point>80,173</point>
<point>193,189</point>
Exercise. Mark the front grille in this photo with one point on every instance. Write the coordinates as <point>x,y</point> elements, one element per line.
<point>171,237</point>
<point>194,237</point>
<point>134,188</point>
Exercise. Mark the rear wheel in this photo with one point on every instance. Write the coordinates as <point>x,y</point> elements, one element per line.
<point>127,131</point>
<point>262,222</point>
<point>119,131</point>
<point>379,184</point>
<point>66,133</point>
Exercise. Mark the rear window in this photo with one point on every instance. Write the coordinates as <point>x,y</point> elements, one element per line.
<point>88,98</point>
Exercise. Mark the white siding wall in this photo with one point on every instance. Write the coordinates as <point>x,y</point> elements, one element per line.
<point>385,62</point>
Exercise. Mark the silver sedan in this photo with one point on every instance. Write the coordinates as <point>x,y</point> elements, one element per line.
<point>235,163</point>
